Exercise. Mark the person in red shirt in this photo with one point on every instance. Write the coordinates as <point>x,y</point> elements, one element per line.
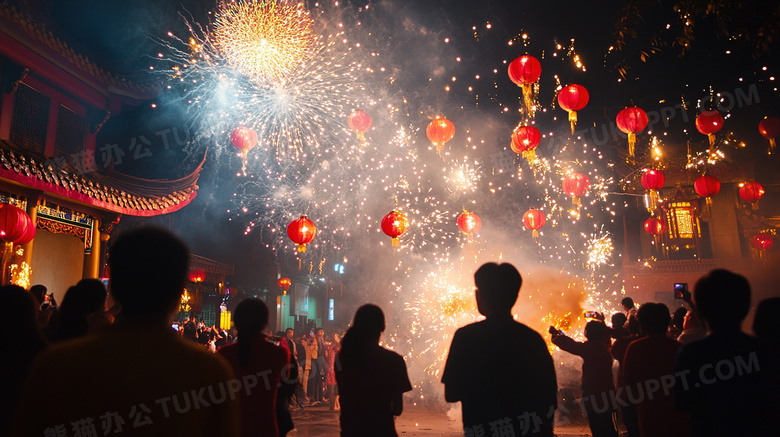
<point>649,365</point>
<point>258,363</point>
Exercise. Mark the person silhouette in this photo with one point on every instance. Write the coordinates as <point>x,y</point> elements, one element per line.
<point>252,356</point>
<point>525,397</point>
<point>136,377</point>
<point>648,359</point>
<point>727,375</point>
<point>371,379</point>
<point>18,317</point>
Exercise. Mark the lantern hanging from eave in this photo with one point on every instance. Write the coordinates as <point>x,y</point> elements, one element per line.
<point>439,131</point>
<point>769,127</point>
<point>244,139</point>
<point>707,186</point>
<point>762,241</point>
<point>360,122</point>
<point>576,185</point>
<point>631,121</point>
<point>469,223</point>
<point>534,219</point>
<point>653,180</point>
<point>573,98</point>
<point>525,139</point>
<point>29,233</point>
<point>197,275</point>
<point>524,72</point>
<point>708,123</point>
<point>655,226</point>
<point>301,231</point>
<point>394,224</point>
<point>751,192</point>
<point>284,284</point>
<point>13,222</point>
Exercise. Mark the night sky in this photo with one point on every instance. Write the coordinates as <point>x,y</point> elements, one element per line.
<point>424,44</point>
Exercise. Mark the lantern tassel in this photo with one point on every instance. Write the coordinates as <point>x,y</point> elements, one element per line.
<point>395,241</point>
<point>754,205</point>
<point>302,248</point>
<point>631,144</point>
<point>284,293</point>
<point>653,201</point>
<point>528,98</point>
<point>244,160</point>
<point>772,145</point>
<point>530,156</point>
<point>361,137</point>
<point>576,200</point>
<point>572,120</point>
<point>711,137</point>
<point>535,233</point>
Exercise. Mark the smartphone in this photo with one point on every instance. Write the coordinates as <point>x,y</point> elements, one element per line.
<point>680,290</point>
<point>552,330</point>
<point>175,327</point>
<point>590,314</point>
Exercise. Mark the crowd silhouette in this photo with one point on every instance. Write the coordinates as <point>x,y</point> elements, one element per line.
<point>84,369</point>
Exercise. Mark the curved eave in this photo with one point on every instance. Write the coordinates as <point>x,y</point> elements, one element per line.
<point>79,197</point>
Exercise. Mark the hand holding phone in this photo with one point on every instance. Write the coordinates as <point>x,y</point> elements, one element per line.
<point>554,331</point>
<point>681,290</point>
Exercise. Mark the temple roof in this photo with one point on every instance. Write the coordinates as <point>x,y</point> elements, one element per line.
<point>33,34</point>
<point>108,191</point>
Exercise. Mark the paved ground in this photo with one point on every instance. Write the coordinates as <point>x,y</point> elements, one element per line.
<point>321,422</point>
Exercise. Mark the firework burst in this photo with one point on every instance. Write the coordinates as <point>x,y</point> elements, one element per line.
<point>264,39</point>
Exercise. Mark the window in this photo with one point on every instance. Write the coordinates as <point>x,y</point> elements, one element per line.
<point>30,119</point>
<point>682,222</point>
<point>70,132</point>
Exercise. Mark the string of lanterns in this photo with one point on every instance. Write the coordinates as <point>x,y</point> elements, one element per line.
<point>525,72</point>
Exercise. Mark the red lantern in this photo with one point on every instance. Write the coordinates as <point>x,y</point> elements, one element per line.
<point>576,185</point>
<point>284,284</point>
<point>244,139</point>
<point>13,223</point>
<point>197,275</point>
<point>655,226</point>
<point>394,225</point>
<point>708,123</point>
<point>534,219</point>
<point>769,127</point>
<point>573,98</point>
<point>762,241</point>
<point>751,192</point>
<point>653,180</point>
<point>469,223</point>
<point>301,231</point>
<point>360,122</point>
<point>707,186</point>
<point>631,121</point>
<point>29,231</point>
<point>525,139</point>
<point>524,72</point>
<point>439,131</point>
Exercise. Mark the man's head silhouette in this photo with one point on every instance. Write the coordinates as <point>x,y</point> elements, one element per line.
<point>148,270</point>
<point>497,288</point>
<point>723,299</point>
